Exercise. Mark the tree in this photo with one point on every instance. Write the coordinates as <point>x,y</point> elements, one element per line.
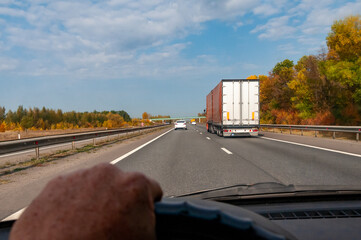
<point>282,74</point>
<point>20,113</point>
<point>252,77</point>
<point>125,115</point>
<point>26,122</point>
<point>344,40</point>
<point>285,64</point>
<point>2,126</point>
<point>145,115</point>
<point>2,114</point>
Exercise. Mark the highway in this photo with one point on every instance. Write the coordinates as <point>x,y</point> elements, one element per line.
<point>185,161</point>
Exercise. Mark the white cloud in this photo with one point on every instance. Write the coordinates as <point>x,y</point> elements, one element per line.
<point>67,36</point>
<point>321,16</point>
<point>288,49</point>
<point>266,10</point>
<point>275,28</point>
<point>7,64</point>
<point>121,36</point>
<point>11,12</point>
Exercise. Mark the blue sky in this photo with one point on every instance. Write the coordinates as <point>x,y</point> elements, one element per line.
<point>158,56</point>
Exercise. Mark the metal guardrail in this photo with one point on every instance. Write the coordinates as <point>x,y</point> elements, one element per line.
<point>36,143</point>
<point>317,128</point>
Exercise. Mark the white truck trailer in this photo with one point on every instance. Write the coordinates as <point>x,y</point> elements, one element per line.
<point>233,108</point>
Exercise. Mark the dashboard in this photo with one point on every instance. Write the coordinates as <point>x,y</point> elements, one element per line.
<point>302,218</point>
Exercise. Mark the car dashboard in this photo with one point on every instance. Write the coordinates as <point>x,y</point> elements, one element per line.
<point>317,217</point>
<point>311,218</point>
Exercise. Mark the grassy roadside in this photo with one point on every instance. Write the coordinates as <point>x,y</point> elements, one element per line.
<point>8,168</point>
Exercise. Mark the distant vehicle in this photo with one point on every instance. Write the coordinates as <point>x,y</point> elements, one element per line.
<point>194,123</point>
<point>233,108</point>
<point>180,124</point>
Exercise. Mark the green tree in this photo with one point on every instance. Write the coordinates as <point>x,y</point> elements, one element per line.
<point>27,122</point>
<point>282,74</point>
<point>285,64</point>
<point>2,114</point>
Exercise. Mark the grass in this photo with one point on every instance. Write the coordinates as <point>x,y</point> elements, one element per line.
<point>4,181</point>
<point>86,148</point>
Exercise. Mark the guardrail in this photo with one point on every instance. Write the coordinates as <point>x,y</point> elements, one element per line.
<point>36,143</point>
<point>316,128</point>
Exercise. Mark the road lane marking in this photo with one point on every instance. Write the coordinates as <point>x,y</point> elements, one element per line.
<point>208,138</point>
<point>17,214</point>
<point>138,148</point>
<point>16,153</point>
<point>14,216</point>
<point>226,150</point>
<point>310,146</point>
<point>200,133</point>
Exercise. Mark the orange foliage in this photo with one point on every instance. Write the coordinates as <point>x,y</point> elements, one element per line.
<point>2,127</point>
<point>285,117</point>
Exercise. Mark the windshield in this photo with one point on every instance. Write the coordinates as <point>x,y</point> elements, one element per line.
<point>272,89</point>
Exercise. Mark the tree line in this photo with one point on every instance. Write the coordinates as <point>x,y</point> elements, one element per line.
<point>45,119</point>
<point>318,89</point>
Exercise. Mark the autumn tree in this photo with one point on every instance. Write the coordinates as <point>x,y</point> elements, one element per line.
<point>145,115</point>
<point>343,68</point>
<point>252,77</point>
<point>45,118</point>
<point>319,89</point>
<point>344,40</point>
<point>282,74</point>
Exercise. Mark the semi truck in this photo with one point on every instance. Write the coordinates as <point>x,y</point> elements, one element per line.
<point>233,108</point>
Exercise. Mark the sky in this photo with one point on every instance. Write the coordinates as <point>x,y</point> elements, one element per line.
<point>156,56</point>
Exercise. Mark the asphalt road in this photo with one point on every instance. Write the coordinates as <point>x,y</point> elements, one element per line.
<point>185,161</point>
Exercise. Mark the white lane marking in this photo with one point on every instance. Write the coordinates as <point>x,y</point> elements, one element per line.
<point>17,214</point>
<point>208,138</point>
<point>138,148</point>
<point>16,153</point>
<point>14,216</point>
<point>200,133</point>
<point>310,146</point>
<point>226,150</point>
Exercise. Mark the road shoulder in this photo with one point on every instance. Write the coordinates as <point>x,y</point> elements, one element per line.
<point>20,188</point>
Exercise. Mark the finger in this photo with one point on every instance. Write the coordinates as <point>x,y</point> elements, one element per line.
<point>137,178</point>
<point>155,190</point>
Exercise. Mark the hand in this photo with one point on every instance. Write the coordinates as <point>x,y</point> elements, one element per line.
<point>97,203</point>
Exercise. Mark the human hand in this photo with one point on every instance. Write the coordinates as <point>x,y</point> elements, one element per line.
<point>97,203</point>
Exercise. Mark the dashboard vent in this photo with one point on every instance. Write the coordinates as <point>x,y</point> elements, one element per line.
<point>344,213</point>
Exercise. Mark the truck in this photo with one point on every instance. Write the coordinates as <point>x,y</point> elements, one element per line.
<point>233,108</point>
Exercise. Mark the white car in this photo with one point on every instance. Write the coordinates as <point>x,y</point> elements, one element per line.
<point>194,123</point>
<point>180,124</point>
